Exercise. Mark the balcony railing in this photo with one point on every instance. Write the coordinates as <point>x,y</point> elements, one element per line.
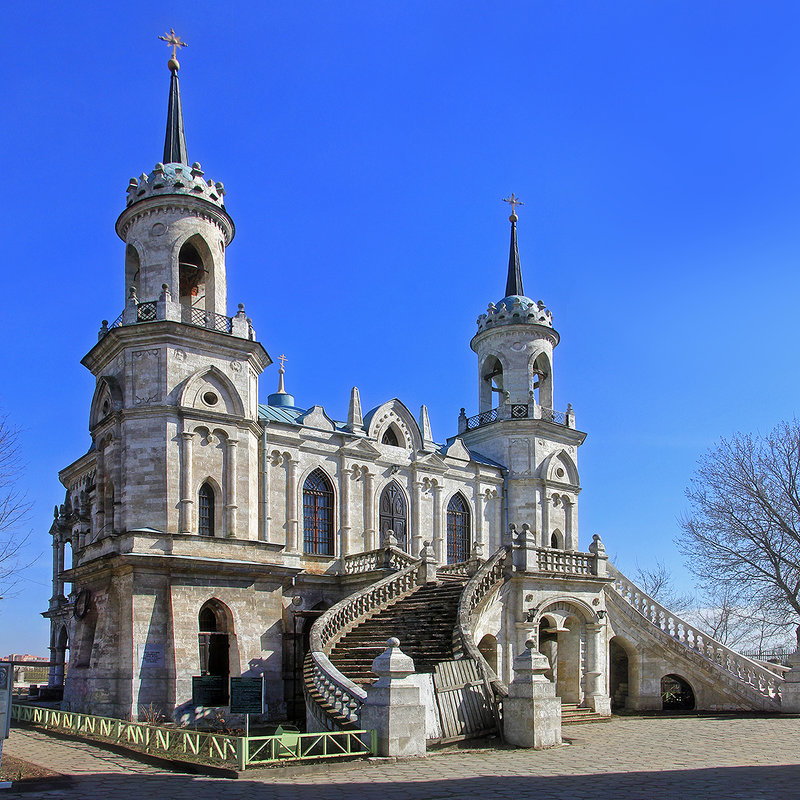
<point>516,411</point>
<point>152,311</point>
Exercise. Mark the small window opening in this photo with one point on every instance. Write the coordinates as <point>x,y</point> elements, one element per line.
<point>210,399</point>
<point>191,275</point>
<point>390,438</point>
<point>554,541</point>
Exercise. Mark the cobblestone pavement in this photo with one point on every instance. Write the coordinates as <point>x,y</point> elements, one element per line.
<point>634,758</point>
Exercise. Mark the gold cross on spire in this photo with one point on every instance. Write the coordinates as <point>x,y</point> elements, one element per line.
<point>514,201</point>
<point>174,41</point>
<point>282,358</point>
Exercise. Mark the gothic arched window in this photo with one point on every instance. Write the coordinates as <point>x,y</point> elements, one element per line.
<point>390,438</point>
<point>394,514</point>
<point>205,510</point>
<point>458,529</point>
<point>318,514</point>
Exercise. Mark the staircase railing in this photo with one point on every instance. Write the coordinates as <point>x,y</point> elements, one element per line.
<point>745,669</point>
<point>487,578</point>
<point>383,558</point>
<point>337,691</point>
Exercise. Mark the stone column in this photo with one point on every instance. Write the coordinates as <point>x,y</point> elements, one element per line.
<point>187,483</point>
<point>291,506</point>
<point>100,493</point>
<point>479,504</point>
<point>427,569</point>
<point>525,555</point>
<point>266,519</point>
<point>438,544</point>
<point>60,565</point>
<point>344,510</point>
<point>531,712</point>
<point>393,708</point>
<point>545,504</point>
<point>55,568</point>
<point>231,504</point>
<point>416,515</point>
<point>596,698</point>
<point>369,512</point>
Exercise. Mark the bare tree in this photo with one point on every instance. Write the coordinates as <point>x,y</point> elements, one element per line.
<point>743,530</point>
<point>659,584</point>
<point>14,508</point>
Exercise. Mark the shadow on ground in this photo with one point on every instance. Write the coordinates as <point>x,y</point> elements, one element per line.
<point>720,783</point>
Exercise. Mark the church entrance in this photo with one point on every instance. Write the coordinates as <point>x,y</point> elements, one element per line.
<point>394,514</point>
<point>214,641</point>
<point>562,639</point>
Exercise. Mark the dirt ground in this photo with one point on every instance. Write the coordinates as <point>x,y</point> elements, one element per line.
<point>23,772</point>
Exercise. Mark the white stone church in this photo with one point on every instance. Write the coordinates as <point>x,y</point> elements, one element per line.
<point>205,534</point>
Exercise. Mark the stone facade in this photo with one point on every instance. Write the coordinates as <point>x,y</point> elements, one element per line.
<point>206,530</point>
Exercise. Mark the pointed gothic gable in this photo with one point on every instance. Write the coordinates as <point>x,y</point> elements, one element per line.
<point>362,449</point>
<point>107,398</point>
<point>431,461</point>
<point>394,414</point>
<point>211,390</point>
<point>560,468</point>
<point>316,417</point>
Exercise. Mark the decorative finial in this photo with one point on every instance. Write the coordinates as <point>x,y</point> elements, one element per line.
<point>514,201</point>
<point>281,371</point>
<point>174,41</point>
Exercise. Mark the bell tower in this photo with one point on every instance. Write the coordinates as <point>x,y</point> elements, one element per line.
<point>517,423</point>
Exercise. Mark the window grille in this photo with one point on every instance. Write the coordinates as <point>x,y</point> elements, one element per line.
<point>318,514</point>
<point>458,530</point>
<point>206,511</point>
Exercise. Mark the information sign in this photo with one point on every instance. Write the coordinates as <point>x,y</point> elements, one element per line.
<point>209,690</point>
<point>247,695</point>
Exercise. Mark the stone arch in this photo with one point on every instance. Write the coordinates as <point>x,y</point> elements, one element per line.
<point>393,513</point>
<point>134,257</point>
<point>540,379</point>
<point>459,526</point>
<point>211,381</point>
<point>107,399</point>
<point>217,641</point>
<point>560,607</point>
<point>319,512</point>
<point>488,649</point>
<point>560,460</point>
<point>194,265</point>
<point>492,370</point>
<point>394,414</point>
<point>623,672</point>
<point>556,540</point>
<point>677,694</point>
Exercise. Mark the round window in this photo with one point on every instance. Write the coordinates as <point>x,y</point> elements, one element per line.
<point>560,472</point>
<point>210,399</point>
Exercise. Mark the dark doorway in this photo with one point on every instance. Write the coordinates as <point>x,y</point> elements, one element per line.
<point>393,513</point>
<point>295,648</point>
<point>214,642</point>
<point>676,694</point>
<point>618,675</point>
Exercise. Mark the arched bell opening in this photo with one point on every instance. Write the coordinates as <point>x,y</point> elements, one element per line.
<point>488,648</point>
<point>132,271</point>
<point>541,384</point>
<point>196,275</point>
<point>676,694</point>
<point>491,384</point>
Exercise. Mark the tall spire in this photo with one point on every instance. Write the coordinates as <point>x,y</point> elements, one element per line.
<point>175,140</point>
<point>514,280</point>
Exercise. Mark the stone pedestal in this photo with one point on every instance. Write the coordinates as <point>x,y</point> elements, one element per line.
<point>790,692</point>
<point>393,706</point>
<point>426,573</point>
<point>532,712</point>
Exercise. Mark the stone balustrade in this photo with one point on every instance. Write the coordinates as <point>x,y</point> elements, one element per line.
<point>488,577</point>
<point>744,669</point>
<point>373,560</point>
<point>339,696</point>
<point>566,562</point>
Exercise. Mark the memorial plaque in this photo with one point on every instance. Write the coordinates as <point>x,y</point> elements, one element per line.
<point>247,695</point>
<point>209,690</point>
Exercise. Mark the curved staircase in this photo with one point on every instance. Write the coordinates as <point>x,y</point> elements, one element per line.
<point>423,621</point>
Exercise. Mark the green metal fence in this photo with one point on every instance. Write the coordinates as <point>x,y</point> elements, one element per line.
<point>218,748</point>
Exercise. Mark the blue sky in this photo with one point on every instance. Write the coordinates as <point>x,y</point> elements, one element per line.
<point>365,148</point>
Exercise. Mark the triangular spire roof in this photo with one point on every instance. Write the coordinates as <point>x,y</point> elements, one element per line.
<point>514,280</point>
<point>175,141</point>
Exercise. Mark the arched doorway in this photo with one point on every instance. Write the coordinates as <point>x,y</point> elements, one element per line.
<point>394,514</point>
<point>676,694</point>
<point>60,657</point>
<point>619,675</point>
<point>214,639</point>
<point>488,648</point>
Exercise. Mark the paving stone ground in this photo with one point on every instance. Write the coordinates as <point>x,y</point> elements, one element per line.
<point>634,758</point>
